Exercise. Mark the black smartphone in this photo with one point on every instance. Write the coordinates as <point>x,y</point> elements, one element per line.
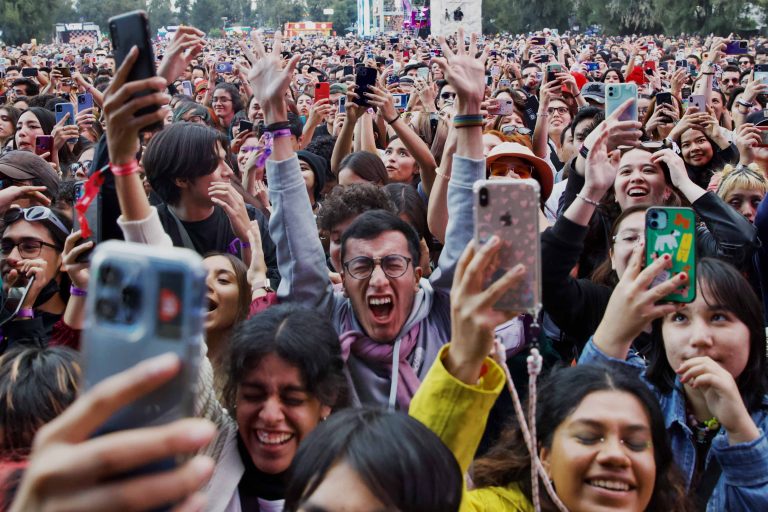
<point>664,98</point>
<point>349,70</point>
<point>245,126</point>
<point>29,72</point>
<point>366,77</point>
<point>129,30</point>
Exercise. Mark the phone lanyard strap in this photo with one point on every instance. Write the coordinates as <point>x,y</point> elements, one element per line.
<point>90,191</point>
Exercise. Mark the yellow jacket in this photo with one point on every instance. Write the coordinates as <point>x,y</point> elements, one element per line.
<point>458,413</point>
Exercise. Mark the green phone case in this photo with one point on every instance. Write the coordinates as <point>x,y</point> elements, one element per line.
<point>673,231</point>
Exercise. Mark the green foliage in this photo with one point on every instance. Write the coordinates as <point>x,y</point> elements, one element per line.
<point>344,14</point>
<point>206,14</point>
<point>518,16</point>
<point>99,11</point>
<point>22,20</point>
<point>160,14</point>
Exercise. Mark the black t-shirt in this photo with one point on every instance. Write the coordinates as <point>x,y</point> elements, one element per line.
<point>215,234</point>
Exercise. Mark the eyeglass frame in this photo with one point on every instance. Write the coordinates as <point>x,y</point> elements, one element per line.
<point>377,261</point>
<point>25,239</point>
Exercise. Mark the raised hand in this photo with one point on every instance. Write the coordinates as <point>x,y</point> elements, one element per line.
<point>186,45</point>
<point>464,72</point>
<point>270,79</point>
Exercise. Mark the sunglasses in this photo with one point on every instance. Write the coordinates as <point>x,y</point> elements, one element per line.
<point>447,95</point>
<point>34,214</point>
<point>511,130</point>
<point>503,168</point>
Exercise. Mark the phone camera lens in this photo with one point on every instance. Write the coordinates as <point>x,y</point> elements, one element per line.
<point>110,275</point>
<point>106,309</point>
<point>131,297</point>
<point>483,197</point>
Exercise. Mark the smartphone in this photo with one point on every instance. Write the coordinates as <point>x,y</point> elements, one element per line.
<point>245,126</point>
<point>763,136</point>
<point>761,73</point>
<point>649,66</point>
<point>65,71</point>
<point>401,101</point>
<point>699,101</point>
<point>61,110</point>
<point>84,101</point>
<point>592,66</point>
<point>552,70</point>
<point>505,83</point>
<point>342,105</point>
<point>506,108</point>
<point>495,71</point>
<point>615,65</point>
<point>538,41</point>
<point>349,70</point>
<point>664,98</point>
<point>129,30</point>
<point>365,78</point>
<point>685,92</point>
<point>224,67</point>
<point>509,210</point>
<point>322,91</point>
<point>406,54</point>
<point>142,302</point>
<point>423,72</point>
<point>29,72</point>
<point>672,230</point>
<point>186,87</point>
<point>616,95</point>
<point>737,47</point>
<point>44,144</point>
<point>681,64</point>
<point>436,52</point>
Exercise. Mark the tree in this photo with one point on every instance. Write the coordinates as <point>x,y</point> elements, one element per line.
<point>185,11</point>
<point>206,14</point>
<point>344,14</point>
<point>160,14</point>
<point>519,16</point>
<point>23,20</point>
<point>99,11</point>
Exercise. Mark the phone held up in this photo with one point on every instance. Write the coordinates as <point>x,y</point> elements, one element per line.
<point>509,209</point>
<point>143,302</point>
<point>616,95</point>
<point>672,230</point>
<point>129,30</point>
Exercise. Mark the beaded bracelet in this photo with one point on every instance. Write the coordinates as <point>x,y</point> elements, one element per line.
<point>131,167</point>
<point>587,200</point>
<point>468,121</point>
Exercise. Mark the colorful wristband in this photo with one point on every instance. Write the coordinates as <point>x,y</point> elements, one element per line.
<point>26,313</point>
<point>285,132</point>
<point>131,167</point>
<point>77,292</point>
<point>468,121</point>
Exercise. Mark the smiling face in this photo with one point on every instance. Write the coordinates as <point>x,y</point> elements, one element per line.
<point>222,105</point>
<point>275,412</point>
<point>223,293</point>
<point>19,231</point>
<point>401,166</point>
<point>601,457</point>
<point>702,329</point>
<point>255,114</point>
<point>381,303</point>
<point>639,181</point>
<point>697,150</point>
<point>559,115</point>
<point>27,128</point>
<point>612,77</point>
<point>630,232</point>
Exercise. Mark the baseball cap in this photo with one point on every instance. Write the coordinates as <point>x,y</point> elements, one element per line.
<point>594,91</point>
<point>25,165</point>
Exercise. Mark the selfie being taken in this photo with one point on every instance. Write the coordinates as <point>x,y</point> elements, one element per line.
<point>401,256</point>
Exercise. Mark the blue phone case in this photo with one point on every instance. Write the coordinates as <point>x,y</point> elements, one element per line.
<point>616,95</point>
<point>65,108</point>
<point>84,101</point>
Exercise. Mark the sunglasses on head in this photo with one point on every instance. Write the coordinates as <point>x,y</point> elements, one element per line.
<point>34,214</point>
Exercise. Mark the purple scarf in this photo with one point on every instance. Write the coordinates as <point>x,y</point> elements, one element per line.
<point>372,352</point>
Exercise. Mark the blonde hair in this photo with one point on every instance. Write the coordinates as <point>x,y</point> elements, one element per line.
<point>747,177</point>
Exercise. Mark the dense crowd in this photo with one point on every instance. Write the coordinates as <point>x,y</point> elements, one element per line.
<point>355,353</point>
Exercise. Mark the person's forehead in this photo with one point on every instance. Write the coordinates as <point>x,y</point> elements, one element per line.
<point>388,242</point>
<point>21,229</point>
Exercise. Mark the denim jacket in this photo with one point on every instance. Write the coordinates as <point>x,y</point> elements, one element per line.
<point>743,483</point>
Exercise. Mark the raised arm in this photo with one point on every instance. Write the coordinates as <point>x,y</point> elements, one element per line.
<point>466,74</point>
<point>300,256</point>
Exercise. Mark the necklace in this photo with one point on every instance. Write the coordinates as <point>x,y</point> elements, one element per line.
<point>703,431</point>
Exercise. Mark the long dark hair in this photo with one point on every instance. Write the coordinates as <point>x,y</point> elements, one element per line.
<point>722,285</point>
<point>241,279</point>
<point>402,462</point>
<point>560,394</point>
<point>301,337</point>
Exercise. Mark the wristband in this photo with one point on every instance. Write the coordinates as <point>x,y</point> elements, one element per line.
<point>747,104</point>
<point>577,95</point>
<point>587,200</point>
<point>468,121</point>
<point>280,125</point>
<point>77,292</point>
<point>26,313</point>
<point>392,121</point>
<point>285,132</point>
<point>131,167</point>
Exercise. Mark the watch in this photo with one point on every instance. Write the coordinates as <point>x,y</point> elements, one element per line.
<point>265,284</point>
<point>747,104</point>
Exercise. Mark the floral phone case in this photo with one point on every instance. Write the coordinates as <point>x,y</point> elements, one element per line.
<point>673,231</point>
<point>509,209</point>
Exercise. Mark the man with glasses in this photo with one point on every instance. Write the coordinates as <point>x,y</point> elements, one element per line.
<point>31,245</point>
<point>746,63</point>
